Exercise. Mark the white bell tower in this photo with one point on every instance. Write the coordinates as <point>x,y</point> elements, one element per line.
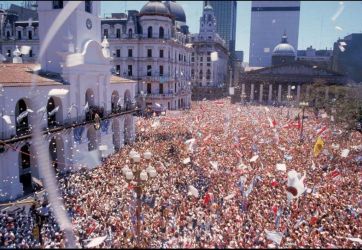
<point>207,22</point>
<point>83,24</point>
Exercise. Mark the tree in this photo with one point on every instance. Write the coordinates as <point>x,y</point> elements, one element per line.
<point>343,102</point>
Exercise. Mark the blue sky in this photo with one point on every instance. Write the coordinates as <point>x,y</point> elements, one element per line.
<point>316,25</point>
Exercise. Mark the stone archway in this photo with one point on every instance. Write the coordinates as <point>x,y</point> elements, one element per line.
<point>54,111</point>
<point>56,153</point>
<point>21,121</point>
<point>25,169</point>
<point>114,101</point>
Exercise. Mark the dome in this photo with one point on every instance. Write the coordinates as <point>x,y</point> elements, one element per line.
<point>284,48</point>
<point>155,8</point>
<point>176,10</point>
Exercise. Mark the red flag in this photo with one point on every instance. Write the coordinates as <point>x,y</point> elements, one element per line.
<point>274,183</point>
<point>313,220</point>
<point>274,123</point>
<point>320,131</point>
<point>207,198</point>
<point>275,209</point>
<point>334,173</point>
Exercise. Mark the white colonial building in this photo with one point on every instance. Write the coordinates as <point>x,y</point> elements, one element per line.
<point>150,46</point>
<point>86,112</point>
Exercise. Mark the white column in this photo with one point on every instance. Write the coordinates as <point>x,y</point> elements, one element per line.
<point>308,91</point>
<point>252,92</point>
<point>261,93</point>
<point>279,93</point>
<point>270,92</point>
<point>298,93</point>
<point>288,89</point>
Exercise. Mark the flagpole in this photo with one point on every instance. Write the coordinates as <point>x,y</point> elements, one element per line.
<point>303,104</point>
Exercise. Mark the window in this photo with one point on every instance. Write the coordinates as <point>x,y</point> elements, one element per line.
<point>105,33</point>
<point>161,70</point>
<point>162,32</point>
<point>201,58</point>
<point>129,70</point>
<point>57,4</point>
<point>118,33</point>
<point>200,74</point>
<point>179,57</point>
<point>88,6</point>
<point>149,52</point>
<point>30,53</point>
<point>149,88</point>
<point>208,53</point>
<point>118,69</point>
<point>149,35</point>
<point>19,35</point>
<point>130,33</point>
<point>208,74</point>
<point>192,59</point>
<point>118,53</point>
<point>161,53</point>
<point>209,59</point>
<point>149,70</point>
<point>9,53</point>
<point>161,88</point>
<point>30,35</point>
<point>7,34</point>
<point>192,73</point>
<point>129,52</point>
<point>208,64</point>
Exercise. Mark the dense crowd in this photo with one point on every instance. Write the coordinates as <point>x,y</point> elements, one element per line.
<point>217,185</point>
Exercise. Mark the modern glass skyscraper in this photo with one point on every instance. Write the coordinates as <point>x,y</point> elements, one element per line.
<point>269,20</point>
<point>225,13</point>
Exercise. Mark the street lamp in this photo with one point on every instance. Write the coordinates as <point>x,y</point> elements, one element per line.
<point>302,104</point>
<point>139,177</point>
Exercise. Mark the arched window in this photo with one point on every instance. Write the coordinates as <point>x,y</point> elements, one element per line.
<point>149,32</point>
<point>161,32</point>
<point>129,33</point>
<point>21,118</point>
<point>24,169</point>
<point>114,101</point>
<point>51,113</point>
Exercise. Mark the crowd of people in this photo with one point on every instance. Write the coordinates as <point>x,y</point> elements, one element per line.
<point>217,185</point>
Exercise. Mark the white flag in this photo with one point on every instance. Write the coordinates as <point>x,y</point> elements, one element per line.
<point>86,107</point>
<point>274,236</point>
<point>21,116</point>
<point>53,111</point>
<point>254,158</point>
<point>281,167</point>
<point>7,119</point>
<point>187,160</point>
<point>345,153</point>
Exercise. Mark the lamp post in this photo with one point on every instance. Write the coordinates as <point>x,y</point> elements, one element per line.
<point>141,177</point>
<point>289,98</point>
<point>303,105</point>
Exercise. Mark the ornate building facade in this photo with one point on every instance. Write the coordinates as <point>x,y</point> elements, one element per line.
<point>209,60</point>
<point>85,112</point>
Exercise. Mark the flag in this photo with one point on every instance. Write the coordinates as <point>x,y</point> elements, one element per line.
<point>53,111</point>
<point>321,130</point>
<point>334,173</point>
<point>318,147</point>
<point>274,236</point>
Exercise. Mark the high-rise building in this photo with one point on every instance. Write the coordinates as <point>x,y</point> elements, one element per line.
<point>347,54</point>
<point>269,20</point>
<point>225,14</point>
